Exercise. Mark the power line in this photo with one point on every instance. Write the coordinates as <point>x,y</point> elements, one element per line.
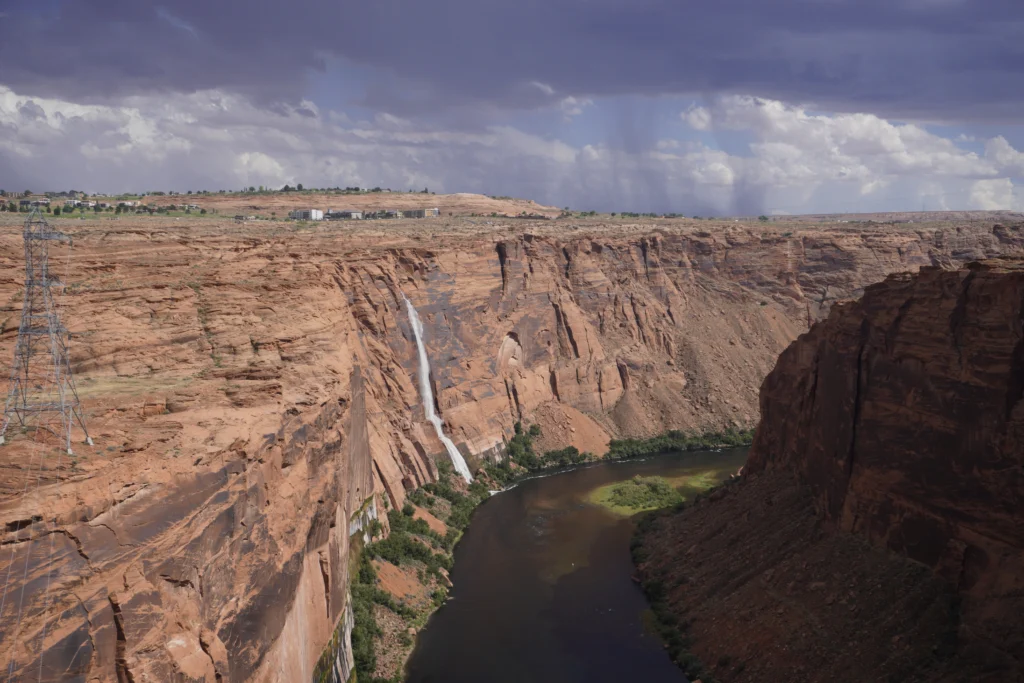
<point>42,396</point>
<point>42,388</point>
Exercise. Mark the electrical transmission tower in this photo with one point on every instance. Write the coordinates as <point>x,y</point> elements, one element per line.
<point>42,392</point>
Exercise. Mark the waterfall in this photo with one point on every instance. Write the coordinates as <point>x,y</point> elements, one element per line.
<point>428,394</point>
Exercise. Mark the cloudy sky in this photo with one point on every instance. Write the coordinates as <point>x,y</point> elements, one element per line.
<point>725,107</point>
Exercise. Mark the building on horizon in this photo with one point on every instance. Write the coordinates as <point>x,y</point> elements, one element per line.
<point>306,215</point>
<point>343,215</point>
<point>422,213</point>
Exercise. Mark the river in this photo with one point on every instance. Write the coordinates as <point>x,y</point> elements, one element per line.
<point>542,585</point>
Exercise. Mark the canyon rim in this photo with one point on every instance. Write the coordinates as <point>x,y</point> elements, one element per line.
<point>252,393</point>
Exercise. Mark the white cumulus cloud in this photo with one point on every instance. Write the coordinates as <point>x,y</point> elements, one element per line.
<point>991,195</point>
<point>795,151</point>
<point>797,161</point>
<point>699,118</point>
<point>573,106</point>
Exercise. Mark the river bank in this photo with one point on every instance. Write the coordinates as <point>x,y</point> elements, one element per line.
<point>543,587</point>
<point>746,583</point>
<point>401,577</point>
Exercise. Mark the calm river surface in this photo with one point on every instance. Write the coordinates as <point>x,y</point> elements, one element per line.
<point>542,588</point>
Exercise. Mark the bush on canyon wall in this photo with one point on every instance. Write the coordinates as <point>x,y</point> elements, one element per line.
<point>401,547</point>
<point>522,457</point>
<point>411,542</point>
<point>566,457</point>
<point>668,625</point>
<point>366,594</point>
<point>365,629</point>
<point>461,505</point>
<point>677,442</point>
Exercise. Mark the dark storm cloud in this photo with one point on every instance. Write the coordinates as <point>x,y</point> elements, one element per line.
<point>941,59</point>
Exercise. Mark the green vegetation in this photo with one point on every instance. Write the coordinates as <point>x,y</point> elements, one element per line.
<point>676,441</point>
<point>637,495</point>
<point>411,543</point>
<point>662,618</point>
<point>566,457</point>
<point>252,189</point>
<point>365,595</point>
<point>460,505</point>
<point>652,493</point>
<point>697,484</point>
<point>523,460</point>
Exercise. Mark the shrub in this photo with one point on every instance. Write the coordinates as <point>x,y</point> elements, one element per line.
<point>677,442</point>
<point>671,628</point>
<point>566,457</point>
<point>644,492</point>
<point>421,498</point>
<point>401,548</point>
<point>500,472</point>
<point>364,630</point>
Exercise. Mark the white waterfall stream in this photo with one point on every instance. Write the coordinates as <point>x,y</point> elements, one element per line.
<point>428,394</point>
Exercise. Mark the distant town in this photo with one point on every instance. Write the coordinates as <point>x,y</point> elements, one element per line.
<point>74,202</point>
<point>77,203</point>
<point>331,214</point>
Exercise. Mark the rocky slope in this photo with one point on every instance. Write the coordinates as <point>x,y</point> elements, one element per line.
<point>251,390</point>
<point>878,530</point>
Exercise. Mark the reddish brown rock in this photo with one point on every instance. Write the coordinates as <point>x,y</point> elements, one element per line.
<point>251,389</point>
<point>433,522</point>
<point>904,414</point>
<point>886,477</point>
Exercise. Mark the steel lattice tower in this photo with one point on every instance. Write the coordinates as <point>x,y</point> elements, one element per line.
<point>42,390</point>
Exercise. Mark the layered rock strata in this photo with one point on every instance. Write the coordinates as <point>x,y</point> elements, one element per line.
<point>252,395</point>
<point>896,425</point>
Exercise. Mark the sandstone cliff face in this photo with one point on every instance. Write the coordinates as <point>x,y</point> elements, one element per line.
<point>765,593</point>
<point>904,414</point>
<point>876,533</point>
<point>250,392</point>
